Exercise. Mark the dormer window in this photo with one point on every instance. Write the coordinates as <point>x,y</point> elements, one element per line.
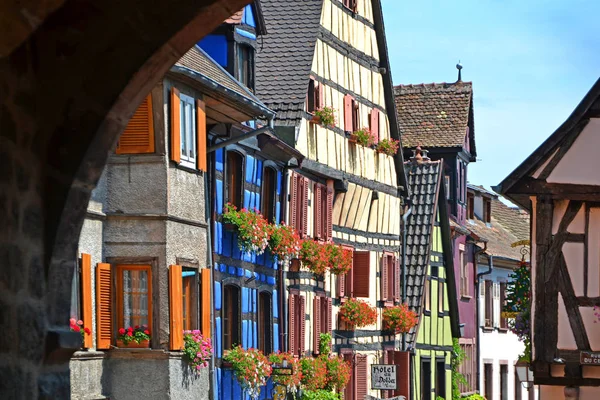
<point>487,210</point>
<point>245,65</point>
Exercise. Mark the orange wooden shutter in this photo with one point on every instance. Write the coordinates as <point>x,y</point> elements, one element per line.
<point>361,273</point>
<point>316,323</point>
<point>402,360</point>
<point>348,111</point>
<point>138,136</point>
<point>304,194</point>
<point>360,375</point>
<point>206,290</point>
<point>318,210</point>
<point>374,124</point>
<point>329,211</point>
<point>302,319</point>
<point>103,306</point>
<point>397,275</point>
<point>86,294</point>
<point>384,277</point>
<point>293,201</point>
<point>176,308</point>
<point>292,323</point>
<point>175,126</point>
<point>201,160</point>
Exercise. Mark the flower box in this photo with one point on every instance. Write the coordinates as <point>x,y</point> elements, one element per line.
<point>315,119</point>
<point>352,138</point>
<point>144,344</point>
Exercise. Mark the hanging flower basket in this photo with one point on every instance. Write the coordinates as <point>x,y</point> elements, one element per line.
<point>252,228</point>
<point>314,256</point>
<point>293,378</point>
<point>357,313</point>
<point>340,259</point>
<point>251,368</point>
<point>284,242</point>
<point>388,146</point>
<point>134,337</point>
<point>324,116</point>
<point>197,349</point>
<point>399,319</point>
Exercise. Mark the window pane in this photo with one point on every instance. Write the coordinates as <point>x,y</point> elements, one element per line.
<point>188,294</point>
<point>182,123</point>
<point>189,126</point>
<point>135,297</point>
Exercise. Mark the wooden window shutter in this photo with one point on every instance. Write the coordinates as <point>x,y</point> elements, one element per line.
<point>320,91</point>
<point>175,125</point>
<point>103,306</point>
<point>329,210</point>
<point>205,298</point>
<point>374,123</point>
<point>384,277</point>
<point>329,311</point>
<point>341,280</point>
<point>201,159</point>
<point>86,294</point>
<point>138,136</point>
<point>316,323</point>
<point>304,212</point>
<point>402,360</point>
<point>348,113</point>
<point>361,273</point>
<point>302,320</point>
<point>397,276</point>
<point>360,374</point>
<point>292,323</point>
<point>176,308</point>
<point>293,200</point>
<point>318,210</point>
<point>489,309</point>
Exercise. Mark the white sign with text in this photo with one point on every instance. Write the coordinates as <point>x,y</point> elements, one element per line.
<point>383,377</point>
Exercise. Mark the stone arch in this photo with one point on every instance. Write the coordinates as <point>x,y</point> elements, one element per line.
<point>69,81</point>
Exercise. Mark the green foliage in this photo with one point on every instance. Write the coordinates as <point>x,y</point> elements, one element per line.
<point>319,395</point>
<point>326,116</point>
<point>518,304</point>
<point>325,344</point>
<point>458,355</point>
<point>474,396</point>
<point>439,398</point>
<point>364,137</point>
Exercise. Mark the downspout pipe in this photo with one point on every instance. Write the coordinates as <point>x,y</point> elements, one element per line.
<point>477,307</point>
<point>404,220</point>
<point>209,256</point>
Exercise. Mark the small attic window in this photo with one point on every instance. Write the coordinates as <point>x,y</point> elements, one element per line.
<point>245,65</point>
<point>470,206</point>
<point>350,4</point>
<point>314,97</point>
<point>487,210</point>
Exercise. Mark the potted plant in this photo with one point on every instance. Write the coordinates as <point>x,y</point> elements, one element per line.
<point>363,137</point>
<point>324,116</point>
<point>197,349</point>
<point>251,368</point>
<point>357,313</point>
<point>388,146</point>
<point>292,379</point>
<point>134,337</point>
<point>284,242</point>
<point>314,373</point>
<point>340,259</point>
<point>399,319</point>
<point>314,256</point>
<point>77,326</point>
<point>252,228</point>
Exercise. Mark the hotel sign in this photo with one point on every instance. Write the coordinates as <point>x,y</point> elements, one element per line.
<point>589,358</point>
<point>383,377</point>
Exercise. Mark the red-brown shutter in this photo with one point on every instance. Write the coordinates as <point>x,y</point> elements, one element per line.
<point>293,201</point>
<point>402,361</point>
<point>348,111</point>
<point>385,361</point>
<point>103,306</point>
<point>318,210</point>
<point>86,294</point>
<point>362,267</point>
<point>384,277</point>
<point>205,319</point>
<point>201,162</point>
<point>175,126</point>
<point>361,373</point>
<point>349,389</point>
<point>397,275</point>
<point>341,284</point>
<point>138,136</point>
<point>302,320</point>
<point>321,96</point>
<point>304,212</point>
<point>329,210</point>
<point>374,124</point>
<point>503,323</point>
<point>175,308</point>
<point>292,323</point>
<point>316,323</point>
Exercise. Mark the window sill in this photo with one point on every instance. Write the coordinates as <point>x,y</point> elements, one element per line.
<point>388,303</point>
<point>503,330</point>
<point>187,168</point>
<point>487,329</point>
<point>465,297</point>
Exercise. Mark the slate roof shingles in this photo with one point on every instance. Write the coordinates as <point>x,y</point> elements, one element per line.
<point>423,181</point>
<point>284,57</point>
<point>433,115</point>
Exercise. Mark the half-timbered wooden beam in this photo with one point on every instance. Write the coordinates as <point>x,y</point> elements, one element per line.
<point>558,190</point>
<point>571,306</point>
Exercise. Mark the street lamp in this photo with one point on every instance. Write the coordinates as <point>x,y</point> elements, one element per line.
<point>524,373</point>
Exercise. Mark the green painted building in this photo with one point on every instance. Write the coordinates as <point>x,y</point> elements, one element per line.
<point>430,288</point>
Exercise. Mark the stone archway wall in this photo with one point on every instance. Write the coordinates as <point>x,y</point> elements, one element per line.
<point>66,92</point>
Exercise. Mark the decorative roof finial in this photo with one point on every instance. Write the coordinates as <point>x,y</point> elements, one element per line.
<point>459,67</point>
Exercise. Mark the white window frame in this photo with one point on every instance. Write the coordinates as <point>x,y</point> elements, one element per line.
<point>187,133</point>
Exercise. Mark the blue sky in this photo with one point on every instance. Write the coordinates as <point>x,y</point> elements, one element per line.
<point>530,62</point>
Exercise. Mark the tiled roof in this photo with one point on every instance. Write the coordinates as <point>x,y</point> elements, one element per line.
<point>424,183</point>
<point>507,227</point>
<point>285,56</point>
<point>235,18</point>
<point>434,115</point>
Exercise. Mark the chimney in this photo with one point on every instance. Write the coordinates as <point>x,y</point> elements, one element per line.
<point>459,67</point>
<point>419,155</point>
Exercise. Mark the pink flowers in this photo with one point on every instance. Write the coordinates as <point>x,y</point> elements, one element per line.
<point>197,348</point>
<point>251,368</point>
<point>76,325</point>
